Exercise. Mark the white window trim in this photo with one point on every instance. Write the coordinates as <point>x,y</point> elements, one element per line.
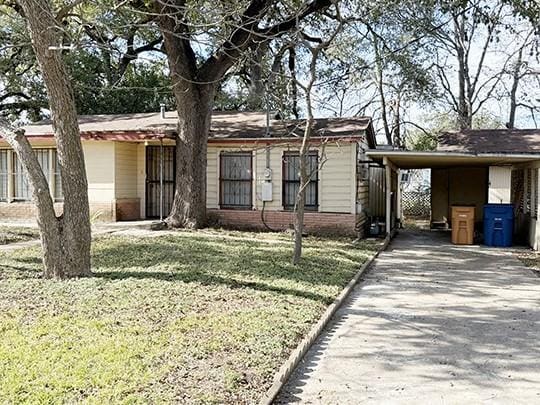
<point>11,176</point>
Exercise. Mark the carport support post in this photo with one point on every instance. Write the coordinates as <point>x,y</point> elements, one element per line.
<point>398,199</point>
<point>388,188</point>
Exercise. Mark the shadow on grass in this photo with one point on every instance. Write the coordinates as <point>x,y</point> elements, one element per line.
<point>205,279</point>
<point>30,260</point>
<point>200,259</point>
<point>20,272</point>
<point>237,264</point>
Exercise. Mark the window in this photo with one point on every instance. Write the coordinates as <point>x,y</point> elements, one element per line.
<point>21,187</point>
<point>58,193</point>
<point>291,180</point>
<point>4,175</point>
<point>236,180</point>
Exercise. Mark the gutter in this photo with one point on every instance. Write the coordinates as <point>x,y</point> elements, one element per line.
<point>382,154</point>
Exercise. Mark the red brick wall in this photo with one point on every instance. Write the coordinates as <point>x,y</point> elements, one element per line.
<point>314,222</point>
<point>128,209</point>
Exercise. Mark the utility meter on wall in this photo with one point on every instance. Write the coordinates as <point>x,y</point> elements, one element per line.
<point>267,185</point>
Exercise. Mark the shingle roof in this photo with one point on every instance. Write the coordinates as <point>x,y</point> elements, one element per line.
<point>491,141</point>
<point>225,125</point>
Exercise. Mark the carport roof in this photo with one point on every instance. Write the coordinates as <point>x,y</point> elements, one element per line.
<point>437,159</point>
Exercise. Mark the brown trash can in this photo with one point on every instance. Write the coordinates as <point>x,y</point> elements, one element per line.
<point>462,225</point>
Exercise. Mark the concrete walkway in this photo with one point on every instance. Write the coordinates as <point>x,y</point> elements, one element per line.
<point>431,323</point>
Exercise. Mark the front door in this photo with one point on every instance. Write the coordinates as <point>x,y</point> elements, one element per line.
<point>153,171</point>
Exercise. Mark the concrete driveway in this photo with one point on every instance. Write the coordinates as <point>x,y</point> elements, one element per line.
<point>431,323</point>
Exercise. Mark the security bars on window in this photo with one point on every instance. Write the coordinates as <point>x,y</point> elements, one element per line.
<point>236,180</point>
<point>291,181</point>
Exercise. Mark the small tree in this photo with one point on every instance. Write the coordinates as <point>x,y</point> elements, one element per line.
<point>65,239</point>
<point>305,171</point>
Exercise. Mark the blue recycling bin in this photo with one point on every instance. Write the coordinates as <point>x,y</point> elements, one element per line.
<point>498,224</point>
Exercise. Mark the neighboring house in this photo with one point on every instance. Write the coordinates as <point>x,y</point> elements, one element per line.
<point>250,168</point>
<point>476,167</point>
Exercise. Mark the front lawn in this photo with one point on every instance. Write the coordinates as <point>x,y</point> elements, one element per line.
<point>204,316</point>
<point>13,234</point>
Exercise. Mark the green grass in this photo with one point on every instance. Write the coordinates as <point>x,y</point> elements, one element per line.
<point>14,234</point>
<point>203,317</point>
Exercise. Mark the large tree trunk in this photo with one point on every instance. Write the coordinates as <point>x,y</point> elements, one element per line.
<point>516,77</point>
<point>380,87</point>
<point>194,104</point>
<point>194,115</point>
<point>66,240</point>
<point>256,97</point>
<point>194,86</point>
<point>396,127</point>
<point>293,82</point>
<point>464,105</point>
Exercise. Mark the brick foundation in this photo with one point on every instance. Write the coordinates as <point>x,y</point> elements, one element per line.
<point>128,209</point>
<point>19,210</point>
<point>314,222</point>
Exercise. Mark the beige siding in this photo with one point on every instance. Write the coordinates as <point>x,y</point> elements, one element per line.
<point>337,185</point>
<point>276,158</point>
<point>141,177</point>
<point>499,184</point>
<point>212,176</point>
<point>337,189</point>
<point>100,162</point>
<point>125,170</point>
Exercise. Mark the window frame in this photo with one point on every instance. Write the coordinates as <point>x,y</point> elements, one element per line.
<point>249,181</point>
<point>18,175</point>
<point>284,181</point>
<point>4,175</point>
<point>12,174</point>
<point>56,181</point>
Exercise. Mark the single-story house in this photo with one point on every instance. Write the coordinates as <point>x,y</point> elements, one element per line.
<point>252,173</point>
<point>475,167</point>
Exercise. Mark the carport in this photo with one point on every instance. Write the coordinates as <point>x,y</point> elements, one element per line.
<point>457,178</point>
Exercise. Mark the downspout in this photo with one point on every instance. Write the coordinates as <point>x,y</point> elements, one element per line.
<point>388,189</point>
<point>161,179</point>
<point>399,211</point>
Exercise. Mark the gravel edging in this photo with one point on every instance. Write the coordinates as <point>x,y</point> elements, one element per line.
<point>297,355</point>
